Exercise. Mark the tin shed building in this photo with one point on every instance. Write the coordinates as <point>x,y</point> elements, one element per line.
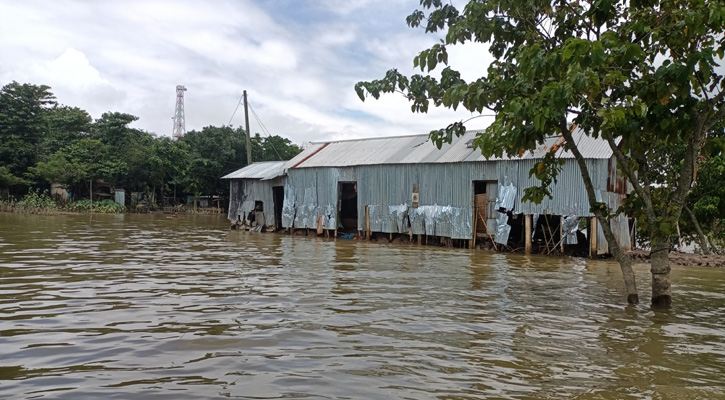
<point>406,185</point>
<point>256,195</point>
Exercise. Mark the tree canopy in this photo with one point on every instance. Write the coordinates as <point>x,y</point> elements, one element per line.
<point>640,74</point>
<point>43,142</point>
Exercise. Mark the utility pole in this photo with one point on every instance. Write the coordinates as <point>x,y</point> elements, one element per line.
<point>246,127</point>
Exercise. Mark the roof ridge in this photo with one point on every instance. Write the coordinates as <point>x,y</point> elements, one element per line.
<point>371,138</point>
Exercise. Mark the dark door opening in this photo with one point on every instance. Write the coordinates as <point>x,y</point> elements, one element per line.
<point>484,200</point>
<point>278,195</point>
<point>480,210</point>
<point>348,206</point>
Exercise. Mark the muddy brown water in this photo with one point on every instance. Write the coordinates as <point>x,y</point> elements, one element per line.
<point>148,307</point>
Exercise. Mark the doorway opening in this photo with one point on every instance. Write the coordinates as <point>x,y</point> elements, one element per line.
<point>484,200</point>
<point>278,197</point>
<point>347,210</point>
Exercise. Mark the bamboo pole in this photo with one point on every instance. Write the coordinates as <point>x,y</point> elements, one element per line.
<point>527,239</point>
<point>561,234</point>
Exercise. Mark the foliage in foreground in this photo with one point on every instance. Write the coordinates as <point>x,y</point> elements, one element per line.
<point>641,74</point>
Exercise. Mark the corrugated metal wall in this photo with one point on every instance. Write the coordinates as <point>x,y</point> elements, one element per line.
<point>446,197</point>
<point>569,195</point>
<point>310,193</point>
<point>243,193</point>
<point>446,194</point>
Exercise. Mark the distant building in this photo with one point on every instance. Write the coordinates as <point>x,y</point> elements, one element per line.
<point>406,185</point>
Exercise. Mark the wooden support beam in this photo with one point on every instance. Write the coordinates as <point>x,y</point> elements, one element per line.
<point>367,221</point>
<point>420,240</point>
<point>593,237</point>
<point>527,233</point>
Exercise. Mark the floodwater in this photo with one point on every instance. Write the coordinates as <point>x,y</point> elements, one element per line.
<point>148,307</point>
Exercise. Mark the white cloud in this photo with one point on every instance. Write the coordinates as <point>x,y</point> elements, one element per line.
<point>297,60</point>
<point>71,68</point>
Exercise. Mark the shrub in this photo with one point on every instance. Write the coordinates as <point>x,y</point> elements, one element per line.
<point>103,206</point>
<point>36,201</point>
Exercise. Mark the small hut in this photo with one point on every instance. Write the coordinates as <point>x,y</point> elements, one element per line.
<point>256,194</point>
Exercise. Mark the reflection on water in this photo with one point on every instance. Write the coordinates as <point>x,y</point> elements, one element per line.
<point>134,306</point>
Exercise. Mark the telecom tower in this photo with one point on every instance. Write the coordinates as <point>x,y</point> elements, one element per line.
<point>179,119</point>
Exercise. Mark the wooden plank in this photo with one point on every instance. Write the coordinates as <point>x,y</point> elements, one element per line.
<point>320,228</point>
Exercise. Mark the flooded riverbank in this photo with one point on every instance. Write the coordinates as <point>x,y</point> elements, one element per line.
<point>129,306</point>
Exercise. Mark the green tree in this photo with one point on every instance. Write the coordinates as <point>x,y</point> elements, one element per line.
<point>273,148</point>
<point>22,107</point>
<point>61,126</point>
<point>168,164</point>
<point>705,208</point>
<point>8,180</point>
<point>78,163</point>
<point>638,73</point>
<point>213,152</point>
<point>128,150</point>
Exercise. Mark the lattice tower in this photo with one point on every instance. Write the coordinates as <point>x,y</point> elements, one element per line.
<point>179,119</point>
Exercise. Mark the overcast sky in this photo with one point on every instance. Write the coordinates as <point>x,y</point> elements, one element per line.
<point>297,59</point>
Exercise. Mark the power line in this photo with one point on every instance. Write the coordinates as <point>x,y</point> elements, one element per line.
<point>235,110</point>
<point>264,129</point>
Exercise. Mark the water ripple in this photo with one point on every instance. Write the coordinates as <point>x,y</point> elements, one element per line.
<point>149,307</point>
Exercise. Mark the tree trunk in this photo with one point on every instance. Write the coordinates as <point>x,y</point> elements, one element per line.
<point>713,248</point>
<point>702,239</point>
<point>625,262</point>
<point>660,269</point>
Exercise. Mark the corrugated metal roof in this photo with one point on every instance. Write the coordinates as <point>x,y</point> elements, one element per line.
<point>418,149</point>
<point>258,170</point>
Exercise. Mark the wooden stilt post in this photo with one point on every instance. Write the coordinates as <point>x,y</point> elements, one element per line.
<point>527,239</point>
<point>320,226</point>
<point>420,240</point>
<point>593,237</point>
<point>367,222</point>
<point>561,234</point>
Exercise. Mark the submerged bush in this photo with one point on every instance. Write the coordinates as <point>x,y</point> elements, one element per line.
<point>37,202</point>
<point>103,206</point>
